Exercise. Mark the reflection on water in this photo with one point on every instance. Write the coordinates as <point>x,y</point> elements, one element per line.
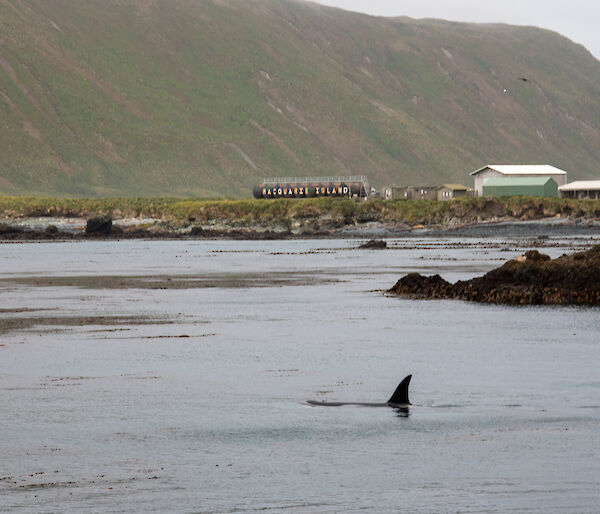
<point>186,398</point>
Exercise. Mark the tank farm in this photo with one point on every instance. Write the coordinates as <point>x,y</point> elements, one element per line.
<point>312,187</point>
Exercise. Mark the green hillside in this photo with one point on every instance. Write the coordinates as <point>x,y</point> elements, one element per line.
<point>207,97</point>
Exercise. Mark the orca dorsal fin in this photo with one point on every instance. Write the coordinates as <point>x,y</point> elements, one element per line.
<point>400,396</point>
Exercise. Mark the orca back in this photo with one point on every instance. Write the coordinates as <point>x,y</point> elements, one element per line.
<point>400,396</point>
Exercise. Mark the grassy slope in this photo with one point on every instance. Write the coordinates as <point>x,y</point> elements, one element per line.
<point>201,97</point>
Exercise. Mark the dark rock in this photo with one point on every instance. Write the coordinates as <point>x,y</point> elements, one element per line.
<point>198,231</point>
<point>374,244</point>
<point>533,280</point>
<point>419,286</point>
<point>51,230</point>
<point>101,225</point>
<point>534,255</point>
<point>7,229</point>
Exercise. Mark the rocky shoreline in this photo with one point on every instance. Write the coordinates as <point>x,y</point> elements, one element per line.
<point>531,279</point>
<point>60,228</point>
<point>163,218</point>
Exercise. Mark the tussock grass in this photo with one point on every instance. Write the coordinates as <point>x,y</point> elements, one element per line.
<point>285,210</point>
<point>31,206</point>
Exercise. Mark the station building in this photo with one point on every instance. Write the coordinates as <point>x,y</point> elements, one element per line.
<point>581,189</point>
<point>520,186</point>
<point>409,192</point>
<point>482,175</point>
<point>449,191</point>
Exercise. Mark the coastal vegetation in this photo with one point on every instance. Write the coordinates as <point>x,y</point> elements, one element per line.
<point>344,211</point>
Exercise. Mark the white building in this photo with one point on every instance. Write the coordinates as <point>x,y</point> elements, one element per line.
<point>582,189</point>
<point>482,175</point>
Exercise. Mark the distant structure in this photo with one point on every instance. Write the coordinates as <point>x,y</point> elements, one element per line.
<point>482,175</point>
<point>520,186</point>
<point>449,191</point>
<point>409,193</point>
<point>581,189</point>
<point>423,193</point>
<point>393,192</point>
<point>443,192</point>
<point>313,187</point>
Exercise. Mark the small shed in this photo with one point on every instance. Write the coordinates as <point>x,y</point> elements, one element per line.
<point>582,189</point>
<point>449,191</point>
<point>394,193</point>
<point>423,192</point>
<point>520,186</point>
<point>409,193</point>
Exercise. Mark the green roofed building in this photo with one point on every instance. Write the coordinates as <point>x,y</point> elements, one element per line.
<point>520,186</point>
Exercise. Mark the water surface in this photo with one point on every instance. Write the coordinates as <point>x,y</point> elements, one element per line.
<point>154,376</point>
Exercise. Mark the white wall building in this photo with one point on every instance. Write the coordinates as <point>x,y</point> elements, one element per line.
<point>582,189</point>
<point>482,175</point>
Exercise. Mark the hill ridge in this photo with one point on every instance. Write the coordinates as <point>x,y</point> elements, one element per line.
<point>205,98</point>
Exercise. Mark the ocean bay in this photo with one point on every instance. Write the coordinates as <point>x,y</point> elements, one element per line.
<point>147,375</point>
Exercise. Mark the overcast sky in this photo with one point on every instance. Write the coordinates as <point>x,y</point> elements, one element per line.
<point>579,20</point>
